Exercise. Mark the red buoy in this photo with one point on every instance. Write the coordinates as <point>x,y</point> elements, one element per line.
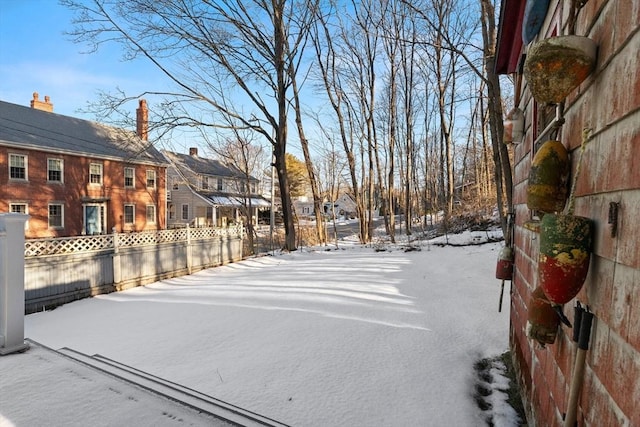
<point>565,251</point>
<point>504,268</point>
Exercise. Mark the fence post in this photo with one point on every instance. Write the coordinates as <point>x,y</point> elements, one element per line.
<point>12,283</point>
<point>189,250</point>
<point>117,271</point>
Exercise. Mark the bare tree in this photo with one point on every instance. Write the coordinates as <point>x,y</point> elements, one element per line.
<point>485,71</point>
<point>210,51</point>
<point>346,65</point>
<point>503,177</point>
<point>242,154</point>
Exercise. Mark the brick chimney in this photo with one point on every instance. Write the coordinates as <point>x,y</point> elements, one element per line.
<point>193,151</point>
<point>142,120</point>
<point>39,105</point>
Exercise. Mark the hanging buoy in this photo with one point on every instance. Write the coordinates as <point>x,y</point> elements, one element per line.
<point>542,318</point>
<point>513,127</point>
<point>565,252</point>
<point>556,66</point>
<point>547,187</point>
<point>535,12</point>
<point>504,268</point>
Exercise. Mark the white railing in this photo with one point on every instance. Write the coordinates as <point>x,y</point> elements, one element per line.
<point>84,244</point>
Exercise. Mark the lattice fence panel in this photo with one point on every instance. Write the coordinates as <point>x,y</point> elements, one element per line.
<point>142,238</point>
<point>202,233</point>
<point>80,244</point>
<point>167,236</point>
<point>67,245</point>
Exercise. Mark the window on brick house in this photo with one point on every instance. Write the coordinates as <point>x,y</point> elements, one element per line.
<point>18,166</point>
<point>95,173</point>
<point>56,215</point>
<point>151,214</point>
<point>20,208</point>
<point>129,178</point>
<point>151,178</point>
<point>54,170</point>
<point>129,214</point>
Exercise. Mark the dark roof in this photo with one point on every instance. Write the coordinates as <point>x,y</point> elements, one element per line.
<point>509,41</point>
<point>30,128</point>
<point>202,166</point>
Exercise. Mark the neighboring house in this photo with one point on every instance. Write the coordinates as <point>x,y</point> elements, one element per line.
<point>206,192</point>
<point>303,207</point>
<point>77,177</point>
<point>607,192</point>
<point>344,207</point>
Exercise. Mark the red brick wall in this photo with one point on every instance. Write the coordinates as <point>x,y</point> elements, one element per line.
<point>37,193</point>
<point>608,102</point>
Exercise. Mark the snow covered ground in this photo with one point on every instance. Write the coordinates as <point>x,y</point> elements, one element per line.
<point>358,336</point>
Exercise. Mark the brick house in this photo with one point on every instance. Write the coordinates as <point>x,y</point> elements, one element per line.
<point>206,192</point>
<point>607,191</point>
<point>77,177</point>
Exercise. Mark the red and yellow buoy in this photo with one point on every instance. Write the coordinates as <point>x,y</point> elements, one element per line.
<point>565,251</point>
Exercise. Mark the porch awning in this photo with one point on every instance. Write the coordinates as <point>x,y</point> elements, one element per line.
<point>238,201</point>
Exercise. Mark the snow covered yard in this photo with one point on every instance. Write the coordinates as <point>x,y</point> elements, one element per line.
<point>319,337</point>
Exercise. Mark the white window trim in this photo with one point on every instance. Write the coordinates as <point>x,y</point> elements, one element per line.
<point>26,167</point>
<point>61,170</point>
<point>153,220</point>
<point>155,178</point>
<point>101,174</point>
<point>204,179</point>
<point>26,211</point>
<point>133,177</point>
<point>124,214</point>
<point>55,227</point>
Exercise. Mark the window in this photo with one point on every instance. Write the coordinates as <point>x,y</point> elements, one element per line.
<point>17,166</point>
<point>151,179</point>
<point>129,214</point>
<point>172,211</point>
<point>95,173</point>
<point>220,186</point>
<point>129,178</point>
<point>185,212</point>
<point>151,214</point>
<point>18,208</point>
<point>56,215</point>
<point>54,170</point>
<point>205,182</point>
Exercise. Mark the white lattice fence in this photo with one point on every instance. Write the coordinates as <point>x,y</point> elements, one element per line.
<point>67,245</point>
<point>142,238</point>
<point>83,244</point>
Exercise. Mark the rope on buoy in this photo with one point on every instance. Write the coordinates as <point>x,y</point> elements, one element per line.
<point>586,132</point>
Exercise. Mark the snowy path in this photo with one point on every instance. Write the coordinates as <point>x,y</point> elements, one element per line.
<point>316,338</point>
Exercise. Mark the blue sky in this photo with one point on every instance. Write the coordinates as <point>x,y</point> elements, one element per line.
<point>35,56</point>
